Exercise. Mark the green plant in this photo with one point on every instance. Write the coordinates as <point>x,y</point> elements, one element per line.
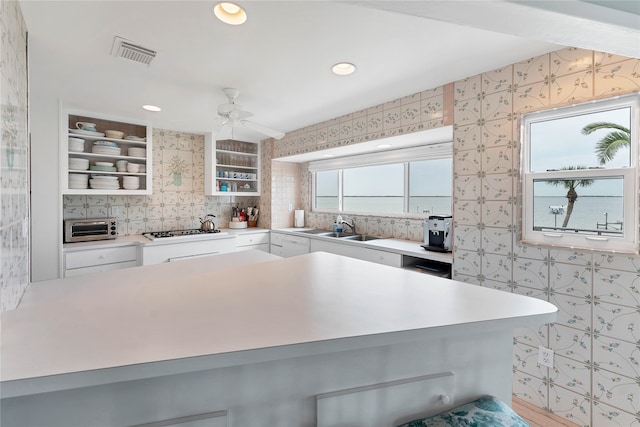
<point>609,145</point>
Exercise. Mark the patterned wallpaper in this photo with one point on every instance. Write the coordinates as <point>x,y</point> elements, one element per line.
<point>14,156</point>
<point>595,340</point>
<point>174,204</point>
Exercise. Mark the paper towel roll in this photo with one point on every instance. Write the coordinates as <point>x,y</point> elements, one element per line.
<point>299,218</point>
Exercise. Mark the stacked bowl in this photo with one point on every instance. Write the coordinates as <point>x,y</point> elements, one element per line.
<point>78,180</point>
<point>137,152</point>
<point>76,144</point>
<point>106,147</point>
<point>131,182</point>
<point>78,164</point>
<point>116,134</point>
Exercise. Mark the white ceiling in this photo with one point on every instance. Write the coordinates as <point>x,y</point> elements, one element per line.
<point>280,59</point>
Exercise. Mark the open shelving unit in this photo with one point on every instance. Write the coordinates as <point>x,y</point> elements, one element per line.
<point>232,167</point>
<point>130,128</point>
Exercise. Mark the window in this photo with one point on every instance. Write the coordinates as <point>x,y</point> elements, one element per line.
<point>415,180</point>
<point>579,175</point>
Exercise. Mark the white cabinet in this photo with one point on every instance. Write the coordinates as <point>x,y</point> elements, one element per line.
<point>99,260</point>
<point>286,245</point>
<point>232,168</point>
<point>353,251</point>
<point>258,240</point>
<point>87,155</point>
<point>170,252</point>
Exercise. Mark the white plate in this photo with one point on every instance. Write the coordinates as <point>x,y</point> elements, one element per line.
<point>85,132</point>
<point>135,138</point>
<point>107,164</point>
<point>106,150</point>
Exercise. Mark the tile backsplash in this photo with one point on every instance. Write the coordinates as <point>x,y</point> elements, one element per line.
<point>175,203</point>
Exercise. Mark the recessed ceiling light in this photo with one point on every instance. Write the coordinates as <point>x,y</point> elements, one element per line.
<point>328,155</point>
<point>152,108</point>
<point>383,145</point>
<point>343,68</point>
<point>230,13</point>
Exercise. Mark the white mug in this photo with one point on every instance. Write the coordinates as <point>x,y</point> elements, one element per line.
<point>86,126</point>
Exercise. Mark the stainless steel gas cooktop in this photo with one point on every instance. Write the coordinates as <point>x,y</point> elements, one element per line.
<point>154,235</point>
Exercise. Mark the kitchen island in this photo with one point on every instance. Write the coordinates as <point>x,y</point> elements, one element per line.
<point>301,341</point>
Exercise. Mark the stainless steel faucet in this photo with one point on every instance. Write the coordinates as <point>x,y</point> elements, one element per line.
<point>351,225</point>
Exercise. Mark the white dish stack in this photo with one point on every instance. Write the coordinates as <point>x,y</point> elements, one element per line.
<point>104,182</point>
<point>78,164</point>
<point>130,182</point>
<point>76,144</point>
<point>78,180</point>
<point>106,147</point>
<point>137,152</point>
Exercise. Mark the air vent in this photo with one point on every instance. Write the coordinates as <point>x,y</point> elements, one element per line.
<point>125,49</point>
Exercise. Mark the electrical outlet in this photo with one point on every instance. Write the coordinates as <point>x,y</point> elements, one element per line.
<point>290,207</point>
<point>545,357</point>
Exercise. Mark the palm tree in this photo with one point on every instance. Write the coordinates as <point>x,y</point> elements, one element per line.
<point>571,185</point>
<point>608,146</point>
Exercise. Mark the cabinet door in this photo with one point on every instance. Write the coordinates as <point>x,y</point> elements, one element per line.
<point>353,251</point>
<point>99,268</point>
<point>156,254</point>
<point>99,260</point>
<point>92,257</point>
<point>286,245</point>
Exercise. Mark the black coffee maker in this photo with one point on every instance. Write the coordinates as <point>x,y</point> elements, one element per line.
<point>437,233</point>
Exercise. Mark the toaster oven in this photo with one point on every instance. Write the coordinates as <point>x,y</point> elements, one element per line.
<point>84,230</point>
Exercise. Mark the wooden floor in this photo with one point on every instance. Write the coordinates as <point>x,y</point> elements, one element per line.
<point>538,417</point>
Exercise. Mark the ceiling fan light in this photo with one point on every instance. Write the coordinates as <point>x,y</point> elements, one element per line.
<point>343,68</point>
<point>230,13</point>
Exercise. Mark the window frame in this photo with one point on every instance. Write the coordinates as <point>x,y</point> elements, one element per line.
<point>400,156</point>
<point>608,242</point>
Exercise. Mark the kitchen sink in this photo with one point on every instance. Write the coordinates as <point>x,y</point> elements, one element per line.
<point>334,234</point>
<point>360,237</point>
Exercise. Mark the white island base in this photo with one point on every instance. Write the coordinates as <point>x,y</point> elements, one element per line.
<point>317,339</point>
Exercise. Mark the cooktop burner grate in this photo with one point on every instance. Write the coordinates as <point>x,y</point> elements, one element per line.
<point>177,233</point>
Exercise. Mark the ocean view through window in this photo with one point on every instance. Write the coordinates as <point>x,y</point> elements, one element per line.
<point>408,182</point>
<point>579,169</point>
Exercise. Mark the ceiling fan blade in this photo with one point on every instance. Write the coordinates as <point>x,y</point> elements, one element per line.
<point>225,131</point>
<point>262,129</point>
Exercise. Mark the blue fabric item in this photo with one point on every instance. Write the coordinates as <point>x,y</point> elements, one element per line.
<point>484,412</point>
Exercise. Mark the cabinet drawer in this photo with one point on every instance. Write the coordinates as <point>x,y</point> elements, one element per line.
<point>285,239</point>
<point>174,251</point>
<point>100,268</point>
<point>92,257</point>
<point>252,239</point>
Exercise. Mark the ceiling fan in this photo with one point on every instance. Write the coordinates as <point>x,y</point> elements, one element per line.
<point>233,115</point>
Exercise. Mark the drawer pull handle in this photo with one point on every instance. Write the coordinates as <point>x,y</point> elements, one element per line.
<point>598,239</point>
<point>444,399</point>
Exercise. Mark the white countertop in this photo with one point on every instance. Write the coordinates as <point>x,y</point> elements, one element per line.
<point>171,318</point>
<point>403,247</point>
